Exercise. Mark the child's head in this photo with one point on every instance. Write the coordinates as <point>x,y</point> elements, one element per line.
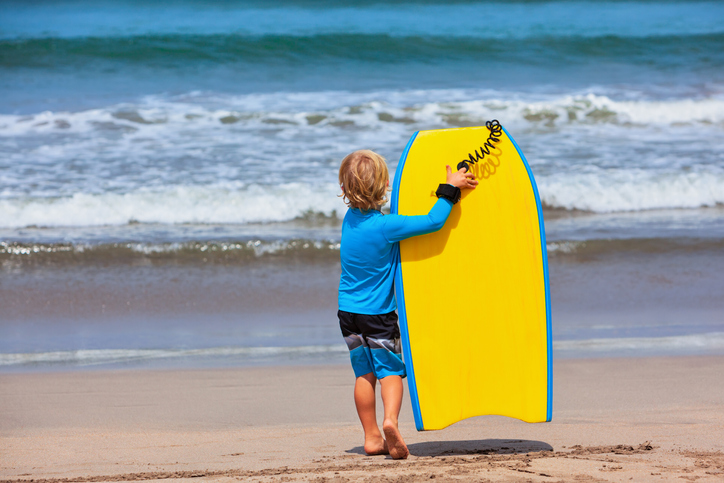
<point>364,179</point>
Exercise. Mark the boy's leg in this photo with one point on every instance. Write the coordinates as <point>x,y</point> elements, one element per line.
<point>392,400</point>
<point>364,400</point>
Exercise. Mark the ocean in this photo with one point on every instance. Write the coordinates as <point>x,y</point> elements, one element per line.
<point>168,170</point>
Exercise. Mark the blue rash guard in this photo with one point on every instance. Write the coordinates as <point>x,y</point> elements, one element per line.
<point>369,252</point>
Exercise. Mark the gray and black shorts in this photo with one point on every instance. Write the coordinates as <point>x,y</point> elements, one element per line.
<point>374,343</point>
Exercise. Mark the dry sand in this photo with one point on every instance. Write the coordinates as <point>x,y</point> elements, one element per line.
<point>654,419</point>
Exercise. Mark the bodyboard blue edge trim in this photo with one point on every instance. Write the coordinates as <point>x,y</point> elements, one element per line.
<point>400,290</point>
<point>544,252</point>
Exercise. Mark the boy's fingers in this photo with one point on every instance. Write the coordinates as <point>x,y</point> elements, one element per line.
<point>448,169</point>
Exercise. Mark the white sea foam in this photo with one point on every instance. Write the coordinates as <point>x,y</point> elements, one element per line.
<point>632,190</point>
<point>155,114</point>
<point>563,246</point>
<point>606,191</point>
<point>114,356</point>
<point>684,344</point>
<point>208,158</point>
<point>175,206</point>
<point>256,247</point>
<point>692,343</point>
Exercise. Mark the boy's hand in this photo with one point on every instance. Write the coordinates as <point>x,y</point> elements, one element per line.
<point>461,178</point>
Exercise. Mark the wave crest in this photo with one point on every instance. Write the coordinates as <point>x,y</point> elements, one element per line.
<point>285,112</point>
<point>600,192</point>
<point>176,205</point>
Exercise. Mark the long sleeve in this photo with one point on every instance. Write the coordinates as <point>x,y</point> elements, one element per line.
<point>399,227</point>
<point>368,253</point>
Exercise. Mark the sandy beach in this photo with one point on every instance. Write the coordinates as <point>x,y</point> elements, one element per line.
<point>170,232</point>
<point>650,419</point>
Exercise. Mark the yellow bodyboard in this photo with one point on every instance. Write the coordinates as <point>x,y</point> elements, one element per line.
<point>473,298</point>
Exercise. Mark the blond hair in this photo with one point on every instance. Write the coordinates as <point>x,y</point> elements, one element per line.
<point>364,179</point>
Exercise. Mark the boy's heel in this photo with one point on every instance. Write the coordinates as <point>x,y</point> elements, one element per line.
<point>395,444</point>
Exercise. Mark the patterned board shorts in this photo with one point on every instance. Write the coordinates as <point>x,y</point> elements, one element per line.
<point>374,343</point>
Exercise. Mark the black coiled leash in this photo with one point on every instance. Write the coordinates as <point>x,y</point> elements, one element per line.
<point>496,130</point>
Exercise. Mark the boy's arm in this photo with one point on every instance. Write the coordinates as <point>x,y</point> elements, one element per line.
<point>399,227</point>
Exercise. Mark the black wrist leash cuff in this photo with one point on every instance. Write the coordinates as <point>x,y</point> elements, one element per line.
<point>449,192</point>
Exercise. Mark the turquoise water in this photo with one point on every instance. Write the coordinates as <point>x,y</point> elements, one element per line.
<point>72,55</point>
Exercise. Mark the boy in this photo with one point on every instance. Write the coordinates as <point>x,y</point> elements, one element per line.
<point>366,292</point>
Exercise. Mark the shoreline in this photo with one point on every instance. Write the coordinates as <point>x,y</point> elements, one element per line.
<point>700,344</point>
<point>613,419</point>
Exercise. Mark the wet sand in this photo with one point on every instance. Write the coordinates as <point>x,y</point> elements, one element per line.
<point>596,292</point>
<point>650,419</point>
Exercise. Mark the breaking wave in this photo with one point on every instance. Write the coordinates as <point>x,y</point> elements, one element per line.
<point>607,192</point>
<point>158,115</point>
<point>180,205</point>
<point>230,252</point>
<point>202,158</point>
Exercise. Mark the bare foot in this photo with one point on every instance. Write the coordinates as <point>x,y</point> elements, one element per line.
<point>395,444</point>
<point>376,446</point>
